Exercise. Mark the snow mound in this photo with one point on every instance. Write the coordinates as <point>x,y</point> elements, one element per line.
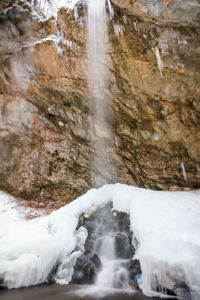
<point>166,226</point>
<point>31,249</point>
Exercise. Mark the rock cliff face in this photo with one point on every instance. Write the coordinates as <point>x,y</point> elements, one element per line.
<point>46,147</point>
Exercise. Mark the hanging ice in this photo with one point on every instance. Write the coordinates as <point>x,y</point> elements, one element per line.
<point>159,61</point>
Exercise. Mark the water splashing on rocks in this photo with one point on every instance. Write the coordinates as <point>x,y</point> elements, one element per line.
<point>108,259</point>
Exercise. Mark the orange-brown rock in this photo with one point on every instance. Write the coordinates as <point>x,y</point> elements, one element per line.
<point>46,148</point>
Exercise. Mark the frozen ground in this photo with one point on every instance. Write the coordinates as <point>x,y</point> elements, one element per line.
<point>166,226</point>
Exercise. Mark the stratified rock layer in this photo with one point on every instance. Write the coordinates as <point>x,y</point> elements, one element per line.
<point>46,148</point>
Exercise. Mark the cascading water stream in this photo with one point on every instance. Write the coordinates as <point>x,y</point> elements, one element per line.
<point>113,273</point>
<point>108,259</point>
<point>97,51</point>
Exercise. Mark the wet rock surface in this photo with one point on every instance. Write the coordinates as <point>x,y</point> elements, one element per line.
<point>134,268</point>
<point>86,268</point>
<point>121,239</point>
<point>46,149</point>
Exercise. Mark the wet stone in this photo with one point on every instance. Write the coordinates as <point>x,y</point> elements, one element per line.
<point>86,268</point>
<point>122,246</point>
<point>134,269</point>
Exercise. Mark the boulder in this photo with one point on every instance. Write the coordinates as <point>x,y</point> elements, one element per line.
<point>86,268</point>
<point>123,247</point>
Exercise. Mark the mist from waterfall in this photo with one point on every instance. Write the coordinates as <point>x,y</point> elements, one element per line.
<point>98,74</point>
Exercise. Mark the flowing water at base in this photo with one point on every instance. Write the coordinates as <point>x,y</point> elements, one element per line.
<point>65,292</point>
<point>113,273</point>
<point>108,259</point>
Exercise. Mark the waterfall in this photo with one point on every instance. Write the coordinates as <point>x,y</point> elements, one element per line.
<point>97,52</point>
<point>107,262</point>
<point>113,273</point>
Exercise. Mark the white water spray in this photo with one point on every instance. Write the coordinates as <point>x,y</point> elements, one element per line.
<point>113,273</point>
<point>97,50</point>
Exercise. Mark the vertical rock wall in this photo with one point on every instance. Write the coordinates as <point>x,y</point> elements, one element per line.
<point>45,143</point>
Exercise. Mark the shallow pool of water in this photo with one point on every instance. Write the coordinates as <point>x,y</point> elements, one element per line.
<point>67,292</point>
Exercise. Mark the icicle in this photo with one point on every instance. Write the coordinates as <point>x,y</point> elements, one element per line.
<point>117,143</point>
<point>58,40</point>
<point>110,9</point>
<point>184,171</point>
<point>159,61</point>
<point>118,29</point>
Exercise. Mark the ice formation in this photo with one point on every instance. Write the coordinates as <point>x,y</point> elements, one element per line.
<point>166,226</point>
<point>118,29</point>
<point>50,8</point>
<point>159,61</point>
<point>184,171</point>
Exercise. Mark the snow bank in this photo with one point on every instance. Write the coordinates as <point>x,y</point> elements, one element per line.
<point>167,227</point>
<point>165,224</point>
<point>31,250</point>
